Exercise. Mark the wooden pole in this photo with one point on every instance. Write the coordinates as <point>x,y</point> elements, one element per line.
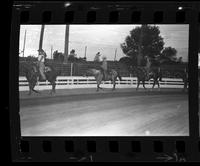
<point>115,54</point>
<point>71,69</point>
<point>51,52</point>
<point>66,43</point>
<point>24,42</point>
<point>41,37</point>
<point>85,52</point>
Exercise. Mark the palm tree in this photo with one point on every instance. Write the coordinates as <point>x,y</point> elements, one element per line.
<point>41,37</point>
<point>66,43</point>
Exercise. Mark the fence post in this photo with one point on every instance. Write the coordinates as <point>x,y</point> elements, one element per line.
<point>136,81</point>
<point>71,69</point>
<point>131,79</point>
<point>72,79</point>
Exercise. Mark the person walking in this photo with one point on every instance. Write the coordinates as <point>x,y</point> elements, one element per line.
<point>41,60</point>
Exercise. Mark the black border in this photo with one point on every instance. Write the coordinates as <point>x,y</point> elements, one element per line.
<point>103,154</point>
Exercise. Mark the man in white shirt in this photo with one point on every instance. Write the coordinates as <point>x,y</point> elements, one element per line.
<point>41,59</point>
<point>104,67</point>
<point>97,57</point>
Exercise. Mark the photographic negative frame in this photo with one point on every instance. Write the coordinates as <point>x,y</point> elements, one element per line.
<point>105,148</point>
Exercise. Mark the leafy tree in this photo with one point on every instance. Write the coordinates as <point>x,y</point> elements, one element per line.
<point>168,54</point>
<point>143,41</point>
<point>128,61</point>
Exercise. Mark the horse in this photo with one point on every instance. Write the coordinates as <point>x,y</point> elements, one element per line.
<point>143,75</point>
<point>32,74</point>
<point>110,76</point>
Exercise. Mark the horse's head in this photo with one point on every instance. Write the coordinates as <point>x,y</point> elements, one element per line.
<point>91,72</point>
<point>47,69</point>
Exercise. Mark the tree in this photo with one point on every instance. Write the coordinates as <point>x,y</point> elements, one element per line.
<point>128,61</point>
<point>168,55</point>
<point>143,41</point>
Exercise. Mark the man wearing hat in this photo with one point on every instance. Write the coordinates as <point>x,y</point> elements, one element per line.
<point>41,59</point>
<point>97,57</point>
<point>104,67</point>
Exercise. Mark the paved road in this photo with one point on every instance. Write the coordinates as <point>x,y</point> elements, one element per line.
<point>106,114</point>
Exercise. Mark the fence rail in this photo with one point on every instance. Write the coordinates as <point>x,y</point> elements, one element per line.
<point>65,82</point>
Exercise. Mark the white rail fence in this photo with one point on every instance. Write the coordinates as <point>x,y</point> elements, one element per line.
<point>72,82</point>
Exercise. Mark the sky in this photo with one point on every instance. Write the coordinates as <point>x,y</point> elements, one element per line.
<point>97,38</point>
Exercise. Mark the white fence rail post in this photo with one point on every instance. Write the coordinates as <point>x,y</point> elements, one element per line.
<point>71,69</point>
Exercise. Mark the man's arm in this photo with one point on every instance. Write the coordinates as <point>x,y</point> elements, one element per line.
<point>41,58</point>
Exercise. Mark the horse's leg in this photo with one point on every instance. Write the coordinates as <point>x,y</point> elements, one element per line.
<point>158,85</point>
<point>97,86</point>
<point>29,89</point>
<point>54,87</point>
<point>143,83</point>
<point>53,90</point>
<point>138,84</point>
<point>154,83</point>
<point>113,84</point>
<point>35,91</point>
<point>99,82</point>
<point>32,88</point>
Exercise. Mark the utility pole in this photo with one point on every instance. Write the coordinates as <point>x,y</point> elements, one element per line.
<point>115,54</point>
<point>41,37</point>
<point>66,43</point>
<point>85,52</point>
<point>51,52</point>
<point>24,43</point>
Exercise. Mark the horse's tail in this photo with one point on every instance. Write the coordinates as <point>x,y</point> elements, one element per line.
<point>160,77</point>
<point>118,75</point>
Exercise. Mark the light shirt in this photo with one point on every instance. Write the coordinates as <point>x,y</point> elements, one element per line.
<point>96,58</point>
<point>104,65</point>
<point>41,57</point>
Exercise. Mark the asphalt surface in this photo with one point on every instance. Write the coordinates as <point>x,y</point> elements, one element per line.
<point>124,112</point>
